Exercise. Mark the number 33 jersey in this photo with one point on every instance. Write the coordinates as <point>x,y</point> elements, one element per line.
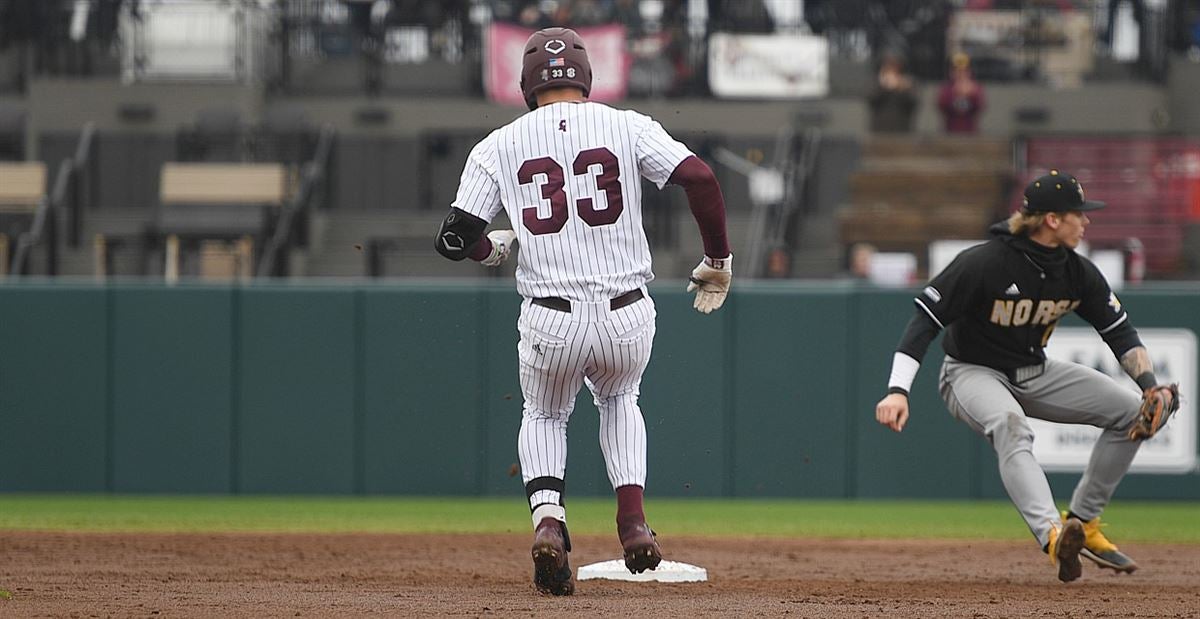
<point>569,176</point>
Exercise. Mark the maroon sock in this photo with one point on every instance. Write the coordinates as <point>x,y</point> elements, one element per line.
<point>629,505</point>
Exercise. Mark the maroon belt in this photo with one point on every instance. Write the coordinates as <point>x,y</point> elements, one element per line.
<point>617,302</point>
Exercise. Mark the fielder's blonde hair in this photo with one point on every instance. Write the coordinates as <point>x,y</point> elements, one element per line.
<point>1023,221</point>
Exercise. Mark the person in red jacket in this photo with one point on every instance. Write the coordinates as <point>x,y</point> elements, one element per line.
<point>961,99</point>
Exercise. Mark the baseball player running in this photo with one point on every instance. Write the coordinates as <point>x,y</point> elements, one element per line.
<point>999,302</point>
<point>567,173</point>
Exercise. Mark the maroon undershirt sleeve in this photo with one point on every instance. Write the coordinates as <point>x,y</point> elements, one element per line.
<point>481,250</point>
<point>706,202</point>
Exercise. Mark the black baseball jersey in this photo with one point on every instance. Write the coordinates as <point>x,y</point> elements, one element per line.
<point>1000,301</point>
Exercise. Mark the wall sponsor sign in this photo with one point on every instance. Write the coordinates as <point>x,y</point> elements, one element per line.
<point>774,66</point>
<point>1066,448</point>
<point>502,62</point>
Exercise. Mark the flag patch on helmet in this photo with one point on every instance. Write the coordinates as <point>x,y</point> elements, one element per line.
<point>557,62</point>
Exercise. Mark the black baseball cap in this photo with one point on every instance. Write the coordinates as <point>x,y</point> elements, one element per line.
<point>1057,192</point>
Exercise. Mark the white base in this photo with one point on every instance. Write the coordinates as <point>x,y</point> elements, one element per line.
<point>667,571</point>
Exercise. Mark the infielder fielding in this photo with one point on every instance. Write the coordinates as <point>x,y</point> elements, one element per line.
<point>999,302</point>
<point>568,175</point>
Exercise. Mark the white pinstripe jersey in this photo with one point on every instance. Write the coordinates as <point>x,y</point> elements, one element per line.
<point>567,174</point>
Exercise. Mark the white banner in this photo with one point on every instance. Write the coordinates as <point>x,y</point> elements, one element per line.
<point>1066,448</point>
<point>777,66</point>
<point>192,40</point>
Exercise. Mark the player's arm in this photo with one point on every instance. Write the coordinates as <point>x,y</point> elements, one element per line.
<point>1101,308</point>
<point>478,200</point>
<point>461,236</point>
<point>892,410</point>
<point>710,279</point>
<point>1136,363</point>
<point>662,159</point>
<point>706,202</point>
<point>941,302</point>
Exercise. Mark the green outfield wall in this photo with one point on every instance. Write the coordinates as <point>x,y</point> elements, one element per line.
<point>396,388</point>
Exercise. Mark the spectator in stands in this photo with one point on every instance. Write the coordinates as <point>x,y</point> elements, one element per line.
<point>24,23</point>
<point>531,16</point>
<point>588,12</point>
<point>961,99</point>
<point>418,12</point>
<point>779,263</point>
<point>893,102</point>
<point>1017,5</point>
<point>1183,31</point>
<point>360,16</point>
<point>861,255</point>
<point>628,13</point>
<point>746,16</point>
<point>1139,16</point>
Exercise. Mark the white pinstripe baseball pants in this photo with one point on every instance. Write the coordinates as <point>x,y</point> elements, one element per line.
<point>605,349</point>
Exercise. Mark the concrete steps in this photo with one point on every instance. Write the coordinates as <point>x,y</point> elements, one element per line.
<point>912,190</point>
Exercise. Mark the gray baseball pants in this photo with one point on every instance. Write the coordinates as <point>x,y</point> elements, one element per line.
<point>987,401</point>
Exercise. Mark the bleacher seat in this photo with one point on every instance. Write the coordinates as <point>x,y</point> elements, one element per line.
<point>22,187</point>
<point>222,202</point>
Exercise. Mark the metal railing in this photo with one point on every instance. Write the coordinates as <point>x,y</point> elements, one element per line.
<point>293,220</point>
<point>777,193</point>
<point>83,183</point>
<point>44,227</point>
<point>73,187</point>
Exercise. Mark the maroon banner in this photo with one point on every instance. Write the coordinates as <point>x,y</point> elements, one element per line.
<point>502,62</point>
<point>1151,185</point>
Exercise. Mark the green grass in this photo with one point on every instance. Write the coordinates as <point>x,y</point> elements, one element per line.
<point>1174,522</point>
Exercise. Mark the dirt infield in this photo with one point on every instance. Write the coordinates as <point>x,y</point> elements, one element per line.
<point>286,575</point>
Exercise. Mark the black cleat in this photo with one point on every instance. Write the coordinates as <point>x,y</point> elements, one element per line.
<point>551,570</point>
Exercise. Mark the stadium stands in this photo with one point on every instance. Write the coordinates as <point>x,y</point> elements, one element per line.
<point>908,192</point>
<point>406,85</point>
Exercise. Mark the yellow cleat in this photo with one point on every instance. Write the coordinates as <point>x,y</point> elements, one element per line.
<point>1099,550</point>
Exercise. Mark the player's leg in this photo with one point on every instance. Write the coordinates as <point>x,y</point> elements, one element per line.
<point>550,358</point>
<point>550,354</point>
<point>1073,393</point>
<point>980,397</point>
<point>623,348</point>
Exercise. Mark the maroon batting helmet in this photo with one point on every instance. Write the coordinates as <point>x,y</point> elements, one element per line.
<point>554,57</point>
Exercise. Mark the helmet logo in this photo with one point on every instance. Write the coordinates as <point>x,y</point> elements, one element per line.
<point>1081,197</point>
<point>555,46</point>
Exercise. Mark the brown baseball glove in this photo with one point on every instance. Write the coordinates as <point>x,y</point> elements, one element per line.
<point>1158,404</point>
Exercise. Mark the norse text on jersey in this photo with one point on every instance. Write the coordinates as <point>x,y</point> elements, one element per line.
<point>1017,312</point>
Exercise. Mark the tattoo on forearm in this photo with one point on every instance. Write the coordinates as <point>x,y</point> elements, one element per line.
<point>1136,362</point>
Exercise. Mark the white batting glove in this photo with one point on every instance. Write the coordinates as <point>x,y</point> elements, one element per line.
<point>710,280</point>
<point>502,241</point>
